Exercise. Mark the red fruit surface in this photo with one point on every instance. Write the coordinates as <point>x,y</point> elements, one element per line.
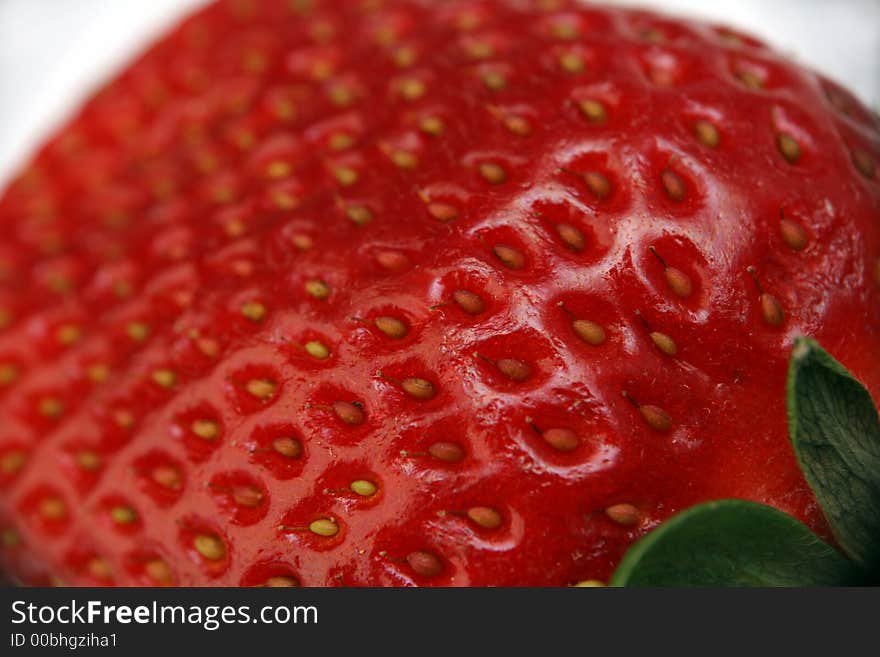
<point>416,293</point>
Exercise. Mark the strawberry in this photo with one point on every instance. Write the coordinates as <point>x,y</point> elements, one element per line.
<point>405,293</point>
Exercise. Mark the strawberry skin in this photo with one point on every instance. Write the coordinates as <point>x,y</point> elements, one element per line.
<point>404,293</point>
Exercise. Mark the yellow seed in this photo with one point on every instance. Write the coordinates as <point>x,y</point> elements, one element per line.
<point>223,194</point>
<point>12,462</point>
<point>418,388</point>
<point>317,289</point>
<point>58,283</point>
<point>442,211</point>
<point>706,133</point>
<point>210,546</point>
<point>98,372</point>
<point>404,159</point>
<point>624,514</point>
<point>793,234</point>
<point>341,96</point>
<point>509,256</point>
<point>283,199</point>
<point>598,184</point>
<point>673,184</point>
<point>485,517</point>
<point>593,110</point>
<point>432,125</point>
<point>588,331</point>
<point>123,418</point>
<point>88,460</point>
<point>493,173</point>
<point>284,109</point>
<point>165,378</point>
<point>254,311</point>
<point>317,349</point>
<point>5,318</point>
<point>771,310</point>
<point>262,389</point>
<point>249,496</point>
<point>447,452</point>
<point>339,141</point>
<point>282,581</point>
<point>412,89</point>
<point>513,369</point>
<point>159,571</point>
<point>404,57</point>
<point>664,343</point>
<point>138,331</point>
<point>363,487</point>
<point>494,80</point>
<point>788,147</point>
<point>10,538</point>
<point>278,169</point>
<point>8,374</point>
<point>479,50</point>
<point>52,508</point>
<point>864,163</point>
<point>123,289</point>
<point>656,417</point>
<point>205,429</point>
<point>345,176</point>
<point>425,563</point>
<point>565,440</point>
<point>302,242</point>
<point>288,447</point>
<point>348,412</point>
<point>565,30</point>
<point>467,21</point>
<point>653,35</point>
<point>572,236</point>
<point>167,476</point>
<point>392,327</point>
<point>469,302</point>
<point>51,407</point>
<point>751,80</point>
<point>360,215</point>
<point>324,527</point>
<point>123,515</point>
<point>67,334</point>
<point>679,282</point>
<point>99,568</point>
<point>518,125</point>
<point>571,62</point>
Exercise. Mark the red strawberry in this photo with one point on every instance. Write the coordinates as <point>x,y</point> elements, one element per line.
<point>399,293</point>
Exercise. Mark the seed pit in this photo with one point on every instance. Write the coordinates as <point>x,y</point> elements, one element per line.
<point>514,360</point>
<point>83,462</point>
<point>240,497</point>
<point>46,509</point>
<point>149,568</point>
<point>252,388</point>
<point>160,477</point>
<point>271,574</point>
<point>278,448</point>
<point>199,428</point>
<point>204,544</point>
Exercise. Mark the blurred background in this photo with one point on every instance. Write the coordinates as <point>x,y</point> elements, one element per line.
<point>52,52</point>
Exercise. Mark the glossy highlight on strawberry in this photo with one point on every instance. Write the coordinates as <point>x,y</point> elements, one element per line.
<point>395,293</point>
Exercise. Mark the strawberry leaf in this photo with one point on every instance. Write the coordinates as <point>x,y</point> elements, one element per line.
<point>733,543</point>
<point>835,433</point>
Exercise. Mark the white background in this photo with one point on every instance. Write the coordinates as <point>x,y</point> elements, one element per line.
<point>52,52</point>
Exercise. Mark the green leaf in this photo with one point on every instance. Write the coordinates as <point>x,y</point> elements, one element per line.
<point>836,436</point>
<point>733,543</point>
